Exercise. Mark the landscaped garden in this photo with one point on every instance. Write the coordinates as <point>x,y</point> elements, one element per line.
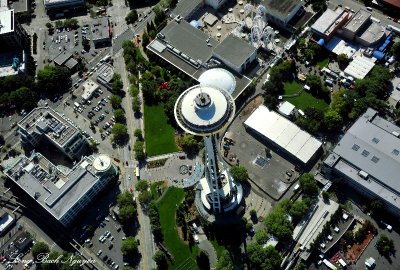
<point>305,99</point>
<point>159,134</point>
<point>183,256</point>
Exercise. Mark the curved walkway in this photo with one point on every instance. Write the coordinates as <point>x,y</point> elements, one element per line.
<point>208,248</point>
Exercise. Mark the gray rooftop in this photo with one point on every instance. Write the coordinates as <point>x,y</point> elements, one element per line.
<point>373,33</point>
<point>100,29</point>
<point>189,40</point>
<point>234,50</point>
<point>185,7</point>
<point>71,63</point>
<point>56,189</point>
<point>327,22</point>
<point>45,120</point>
<point>105,72</point>
<point>20,6</point>
<point>280,8</point>
<point>373,146</point>
<point>62,58</point>
<point>357,21</point>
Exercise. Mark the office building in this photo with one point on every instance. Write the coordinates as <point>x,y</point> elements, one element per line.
<point>43,123</point>
<point>12,36</point>
<point>62,4</point>
<point>62,192</point>
<point>368,159</point>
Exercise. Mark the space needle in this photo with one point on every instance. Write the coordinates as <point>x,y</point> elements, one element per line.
<point>206,110</point>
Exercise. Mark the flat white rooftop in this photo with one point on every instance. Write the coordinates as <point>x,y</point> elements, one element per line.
<point>6,21</point>
<point>284,133</point>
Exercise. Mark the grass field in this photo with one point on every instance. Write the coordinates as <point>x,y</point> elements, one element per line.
<point>159,135</point>
<point>305,100</point>
<point>184,258</point>
<point>323,63</point>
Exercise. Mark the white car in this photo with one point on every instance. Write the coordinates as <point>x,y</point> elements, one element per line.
<point>99,252</point>
<point>267,79</point>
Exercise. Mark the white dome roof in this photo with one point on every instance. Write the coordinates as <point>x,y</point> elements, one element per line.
<point>204,109</point>
<point>102,163</point>
<point>219,78</point>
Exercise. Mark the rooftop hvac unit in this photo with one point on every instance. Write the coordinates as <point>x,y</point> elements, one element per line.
<point>363,174</point>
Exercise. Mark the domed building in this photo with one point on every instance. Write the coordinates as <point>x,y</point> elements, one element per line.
<point>219,78</point>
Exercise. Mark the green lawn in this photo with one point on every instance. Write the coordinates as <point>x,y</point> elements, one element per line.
<point>159,135</point>
<point>184,258</point>
<point>305,100</point>
<point>323,63</point>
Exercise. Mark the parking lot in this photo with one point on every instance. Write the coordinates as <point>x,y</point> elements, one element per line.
<point>107,229</point>
<point>67,39</point>
<point>270,171</point>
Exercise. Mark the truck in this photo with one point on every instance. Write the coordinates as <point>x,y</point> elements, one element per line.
<point>329,264</point>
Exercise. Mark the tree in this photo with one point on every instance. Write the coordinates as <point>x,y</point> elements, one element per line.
<point>119,115</point>
<point>49,25</point>
<point>261,237</point>
<point>53,79</point>
<point>225,261</point>
<point>298,209</point>
<point>85,44</point>
<point>115,101</point>
<point>127,213</point>
<point>395,50</point>
<point>136,104</point>
<point>239,173</point>
<point>160,259</point>
<point>278,224</point>
<point>333,121</point>
<point>129,247</point>
<point>188,143</point>
<point>316,87</point>
<point>116,83</point>
<point>145,196</point>
<point>124,199</point>
<point>138,148</point>
<point>131,17</point>
<point>142,185</point>
<point>39,248</point>
<point>119,131</point>
<point>138,134</point>
<point>385,245</point>
<point>59,24</point>
<point>145,39</point>
<point>308,185</point>
<point>127,268</point>
<point>263,258</point>
<point>202,261</point>
<point>377,207</point>
<point>342,60</point>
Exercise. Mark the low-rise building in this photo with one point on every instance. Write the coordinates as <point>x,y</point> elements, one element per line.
<point>43,123</point>
<point>105,73</point>
<point>235,53</point>
<point>368,159</point>
<point>329,23</point>
<point>101,32</point>
<point>89,88</point>
<point>280,12</point>
<point>62,192</point>
<point>6,221</point>
<point>277,131</point>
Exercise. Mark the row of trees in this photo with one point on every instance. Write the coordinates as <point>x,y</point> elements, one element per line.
<point>21,91</point>
<point>127,207</point>
<point>39,251</point>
